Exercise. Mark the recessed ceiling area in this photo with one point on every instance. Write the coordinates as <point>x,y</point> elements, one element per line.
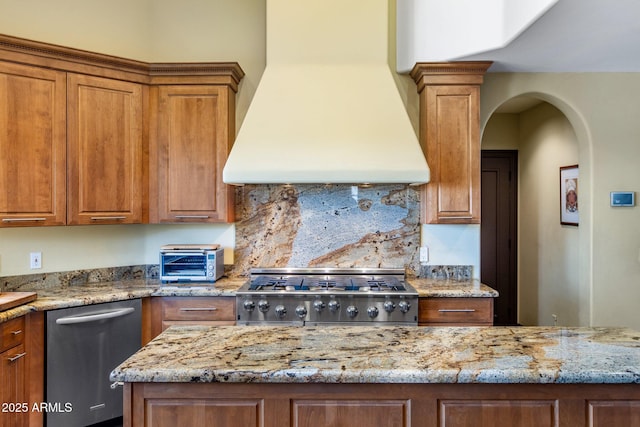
<point>574,36</point>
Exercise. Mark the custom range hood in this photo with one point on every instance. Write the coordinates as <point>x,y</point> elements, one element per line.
<point>327,109</point>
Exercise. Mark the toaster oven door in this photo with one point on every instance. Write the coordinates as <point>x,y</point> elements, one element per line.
<point>186,266</point>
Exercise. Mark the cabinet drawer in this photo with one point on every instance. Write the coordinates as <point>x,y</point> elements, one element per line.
<point>455,311</point>
<point>198,308</point>
<point>12,333</point>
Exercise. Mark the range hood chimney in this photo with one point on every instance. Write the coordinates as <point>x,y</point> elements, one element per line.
<point>327,109</point>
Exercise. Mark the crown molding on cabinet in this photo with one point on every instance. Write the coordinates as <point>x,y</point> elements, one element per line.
<point>24,51</point>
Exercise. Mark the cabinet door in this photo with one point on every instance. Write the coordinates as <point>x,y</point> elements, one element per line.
<point>167,311</point>
<point>499,413</point>
<point>451,142</point>
<point>105,171</point>
<point>13,393</point>
<point>362,412</point>
<point>32,146</point>
<point>202,412</point>
<point>195,128</point>
<point>455,311</point>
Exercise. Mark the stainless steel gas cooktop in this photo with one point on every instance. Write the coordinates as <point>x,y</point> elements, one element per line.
<point>315,296</point>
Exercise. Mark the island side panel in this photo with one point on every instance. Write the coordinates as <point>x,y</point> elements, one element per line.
<point>384,405</point>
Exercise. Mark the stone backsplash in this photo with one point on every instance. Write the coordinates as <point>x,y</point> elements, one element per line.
<point>447,272</point>
<point>77,277</point>
<point>326,226</point>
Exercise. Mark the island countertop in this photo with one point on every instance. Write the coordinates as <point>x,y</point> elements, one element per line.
<point>348,354</point>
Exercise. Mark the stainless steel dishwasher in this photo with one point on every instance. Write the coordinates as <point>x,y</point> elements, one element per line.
<point>84,344</point>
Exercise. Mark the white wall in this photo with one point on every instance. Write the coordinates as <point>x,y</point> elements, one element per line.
<point>453,244</point>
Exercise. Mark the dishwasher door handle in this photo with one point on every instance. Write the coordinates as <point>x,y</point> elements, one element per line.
<point>94,317</point>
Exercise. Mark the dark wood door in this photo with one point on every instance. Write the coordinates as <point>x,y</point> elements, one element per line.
<point>498,231</point>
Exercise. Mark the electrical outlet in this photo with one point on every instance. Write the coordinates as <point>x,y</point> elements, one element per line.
<point>35,260</point>
<point>424,254</point>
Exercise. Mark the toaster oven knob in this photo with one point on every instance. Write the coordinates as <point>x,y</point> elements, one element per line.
<point>404,306</point>
<point>280,310</point>
<point>352,311</point>
<point>372,312</point>
<point>263,305</point>
<point>301,311</point>
<point>389,306</point>
<point>249,305</point>
<point>318,305</point>
<point>334,305</point>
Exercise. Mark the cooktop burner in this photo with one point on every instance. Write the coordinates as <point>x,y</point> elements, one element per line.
<point>325,283</point>
<point>326,295</point>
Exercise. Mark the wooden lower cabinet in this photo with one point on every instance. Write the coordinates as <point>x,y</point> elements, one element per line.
<point>21,371</point>
<point>159,313</point>
<point>455,311</point>
<point>382,405</point>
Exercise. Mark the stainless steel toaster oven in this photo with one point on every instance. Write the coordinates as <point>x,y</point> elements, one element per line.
<point>191,263</point>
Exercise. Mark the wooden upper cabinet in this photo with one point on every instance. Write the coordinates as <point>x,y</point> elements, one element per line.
<point>87,138</point>
<point>450,139</point>
<point>105,149</point>
<point>32,146</point>
<point>193,132</point>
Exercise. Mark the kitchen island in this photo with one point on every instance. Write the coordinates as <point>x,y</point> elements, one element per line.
<point>384,376</point>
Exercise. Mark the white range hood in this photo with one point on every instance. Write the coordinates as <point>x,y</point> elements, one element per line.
<point>327,109</point>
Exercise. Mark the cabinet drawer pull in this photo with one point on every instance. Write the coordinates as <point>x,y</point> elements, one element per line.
<point>457,310</point>
<point>18,332</point>
<point>456,217</point>
<point>16,357</point>
<point>198,309</point>
<point>22,219</point>
<point>106,218</point>
<point>192,216</point>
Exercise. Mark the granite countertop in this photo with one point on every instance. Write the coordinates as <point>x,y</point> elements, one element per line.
<point>443,288</point>
<point>381,354</point>
<point>52,298</point>
<point>71,296</point>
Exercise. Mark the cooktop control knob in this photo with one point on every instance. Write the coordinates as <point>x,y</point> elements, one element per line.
<point>263,305</point>
<point>404,306</point>
<point>352,311</point>
<point>249,305</point>
<point>301,311</point>
<point>334,305</point>
<point>372,312</point>
<point>389,306</point>
<point>280,310</point>
<point>318,305</point>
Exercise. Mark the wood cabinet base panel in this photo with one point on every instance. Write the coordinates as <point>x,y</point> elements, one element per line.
<point>337,405</point>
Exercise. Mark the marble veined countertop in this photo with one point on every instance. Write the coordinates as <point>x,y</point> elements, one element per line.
<point>383,354</point>
<point>71,296</point>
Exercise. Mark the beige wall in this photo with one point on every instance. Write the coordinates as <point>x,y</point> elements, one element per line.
<point>547,250</point>
<point>147,30</point>
<point>604,119</point>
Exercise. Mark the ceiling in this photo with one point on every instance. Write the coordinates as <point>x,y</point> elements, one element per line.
<point>575,36</point>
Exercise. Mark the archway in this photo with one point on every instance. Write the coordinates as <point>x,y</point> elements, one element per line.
<point>553,259</point>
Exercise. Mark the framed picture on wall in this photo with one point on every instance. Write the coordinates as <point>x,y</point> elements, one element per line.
<point>569,212</point>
